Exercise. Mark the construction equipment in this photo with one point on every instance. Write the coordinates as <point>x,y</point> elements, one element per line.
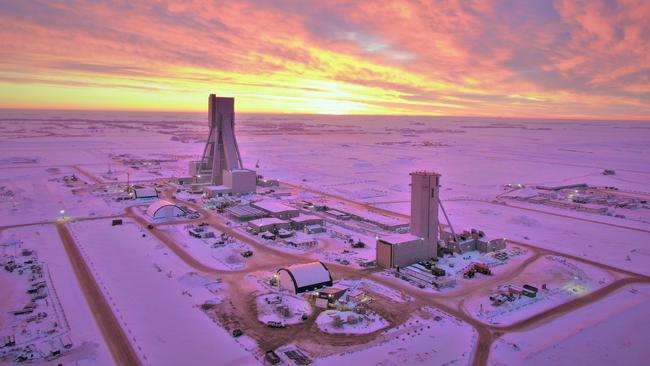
<point>482,268</point>
<point>438,272</point>
<point>473,268</point>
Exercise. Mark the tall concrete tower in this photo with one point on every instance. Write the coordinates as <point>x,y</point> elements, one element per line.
<point>221,151</point>
<point>424,209</point>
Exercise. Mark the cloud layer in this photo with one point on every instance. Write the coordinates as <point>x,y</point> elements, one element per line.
<point>456,57</point>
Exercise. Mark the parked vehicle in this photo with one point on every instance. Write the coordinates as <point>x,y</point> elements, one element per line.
<point>237,333</point>
<point>359,244</point>
<point>247,254</point>
<point>272,358</point>
<point>438,272</point>
<point>482,268</point>
<point>274,324</point>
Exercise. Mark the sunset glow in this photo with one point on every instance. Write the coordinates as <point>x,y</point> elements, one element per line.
<point>567,59</point>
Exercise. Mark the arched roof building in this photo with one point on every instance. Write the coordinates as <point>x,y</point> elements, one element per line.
<point>304,277</point>
<point>162,209</point>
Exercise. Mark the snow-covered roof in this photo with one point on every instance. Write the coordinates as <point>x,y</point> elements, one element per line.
<point>145,192</point>
<point>396,239</point>
<point>267,221</point>
<point>154,207</point>
<point>305,218</point>
<point>308,274</point>
<point>241,170</point>
<point>303,240</point>
<point>217,189</point>
<point>272,206</point>
<point>244,210</point>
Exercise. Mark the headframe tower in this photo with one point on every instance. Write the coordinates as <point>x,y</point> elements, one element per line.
<point>221,164</point>
<point>221,151</point>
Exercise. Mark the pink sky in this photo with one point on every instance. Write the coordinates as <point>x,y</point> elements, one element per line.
<point>487,58</point>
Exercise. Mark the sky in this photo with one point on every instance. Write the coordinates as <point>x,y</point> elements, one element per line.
<point>506,58</point>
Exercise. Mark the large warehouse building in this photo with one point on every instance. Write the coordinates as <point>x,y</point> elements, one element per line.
<point>276,209</point>
<point>301,278</point>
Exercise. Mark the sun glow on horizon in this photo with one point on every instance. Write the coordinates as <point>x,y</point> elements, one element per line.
<point>349,58</point>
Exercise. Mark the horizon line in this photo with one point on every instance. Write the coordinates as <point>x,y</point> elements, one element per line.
<point>546,118</point>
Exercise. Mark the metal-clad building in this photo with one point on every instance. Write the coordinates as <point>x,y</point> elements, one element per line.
<point>276,209</point>
<point>301,278</point>
<point>400,250</point>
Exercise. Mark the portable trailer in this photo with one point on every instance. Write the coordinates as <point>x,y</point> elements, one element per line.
<point>531,288</point>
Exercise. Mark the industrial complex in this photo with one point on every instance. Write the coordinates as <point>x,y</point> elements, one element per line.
<point>284,272</point>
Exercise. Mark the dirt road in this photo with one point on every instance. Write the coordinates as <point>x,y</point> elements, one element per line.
<point>114,336</point>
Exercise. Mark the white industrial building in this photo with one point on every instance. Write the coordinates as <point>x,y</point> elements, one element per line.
<point>162,209</point>
<point>276,209</point>
<point>399,250</point>
<point>144,193</point>
<point>301,278</point>
<point>268,224</point>
<point>422,243</point>
<point>302,220</point>
<point>245,212</point>
<point>240,180</point>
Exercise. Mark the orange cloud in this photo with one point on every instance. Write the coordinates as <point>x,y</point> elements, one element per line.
<point>512,58</point>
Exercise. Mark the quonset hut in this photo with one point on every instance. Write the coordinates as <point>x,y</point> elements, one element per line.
<point>162,209</point>
<point>306,277</point>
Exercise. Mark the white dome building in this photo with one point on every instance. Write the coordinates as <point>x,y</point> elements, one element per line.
<point>306,277</point>
<point>162,209</point>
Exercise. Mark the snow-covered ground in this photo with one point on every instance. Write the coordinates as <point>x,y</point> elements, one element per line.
<point>419,341</point>
<point>363,158</point>
<point>32,195</point>
<point>285,309</point>
<point>368,285</point>
<point>65,299</point>
<point>621,248</point>
<point>349,322</point>
<point>225,257</point>
<point>565,280</point>
<point>612,331</point>
<point>148,288</point>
